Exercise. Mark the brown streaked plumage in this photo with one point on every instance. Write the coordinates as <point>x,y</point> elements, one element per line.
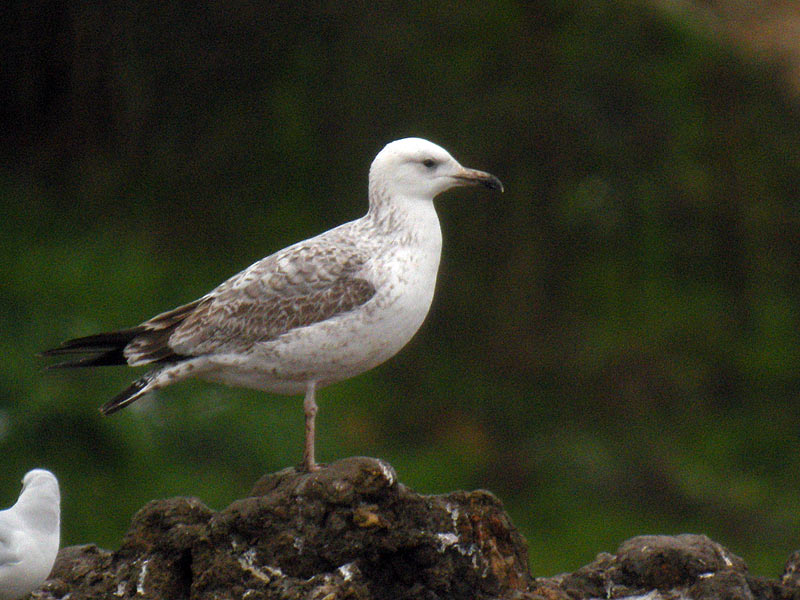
<point>317,312</point>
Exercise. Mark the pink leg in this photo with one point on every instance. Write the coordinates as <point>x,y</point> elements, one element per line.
<point>310,409</point>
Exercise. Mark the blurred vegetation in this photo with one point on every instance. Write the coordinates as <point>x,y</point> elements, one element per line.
<point>614,345</point>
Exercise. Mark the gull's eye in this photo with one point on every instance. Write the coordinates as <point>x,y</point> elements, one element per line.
<point>429,163</point>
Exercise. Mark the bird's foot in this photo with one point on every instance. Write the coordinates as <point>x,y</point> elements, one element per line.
<point>306,467</point>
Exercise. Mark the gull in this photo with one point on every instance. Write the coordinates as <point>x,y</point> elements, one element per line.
<point>317,312</point>
<point>29,535</point>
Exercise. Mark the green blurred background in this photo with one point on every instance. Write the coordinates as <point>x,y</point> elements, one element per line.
<point>613,348</point>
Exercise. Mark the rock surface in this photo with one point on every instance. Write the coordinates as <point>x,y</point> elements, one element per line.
<point>660,567</point>
<point>351,531</point>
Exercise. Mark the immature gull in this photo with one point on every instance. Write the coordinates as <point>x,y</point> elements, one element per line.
<point>317,312</point>
<point>29,535</point>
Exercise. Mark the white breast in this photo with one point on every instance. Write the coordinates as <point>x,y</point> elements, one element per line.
<point>403,270</point>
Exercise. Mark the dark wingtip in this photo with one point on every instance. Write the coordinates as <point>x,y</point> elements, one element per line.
<point>106,358</point>
<point>54,352</point>
<point>99,342</point>
<point>57,366</point>
<point>106,410</point>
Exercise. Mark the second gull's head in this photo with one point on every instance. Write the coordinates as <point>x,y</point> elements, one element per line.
<point>40,499</point>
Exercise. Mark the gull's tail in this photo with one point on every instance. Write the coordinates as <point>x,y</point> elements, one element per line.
<point>107,349</point>
<point>146,343</point>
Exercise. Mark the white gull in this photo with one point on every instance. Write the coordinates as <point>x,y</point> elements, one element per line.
<point>29,535</point>
<point>320,311</point>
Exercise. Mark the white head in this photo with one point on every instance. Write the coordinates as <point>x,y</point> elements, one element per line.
<point>417,168</point>
<point>40,499</point>
<point>41,480</point>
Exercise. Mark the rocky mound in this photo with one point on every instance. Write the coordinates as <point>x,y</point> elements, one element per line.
<point>351,531</point>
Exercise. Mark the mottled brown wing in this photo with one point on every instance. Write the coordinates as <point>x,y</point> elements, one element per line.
<point>294,288</point>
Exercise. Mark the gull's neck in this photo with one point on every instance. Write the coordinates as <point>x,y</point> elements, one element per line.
<point>392,213</point>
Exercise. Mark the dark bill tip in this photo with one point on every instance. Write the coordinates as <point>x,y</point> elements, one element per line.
<point>473,177</point>
<point>493,183</point>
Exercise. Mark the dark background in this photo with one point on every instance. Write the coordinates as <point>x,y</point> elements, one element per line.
<point>613,348</point>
